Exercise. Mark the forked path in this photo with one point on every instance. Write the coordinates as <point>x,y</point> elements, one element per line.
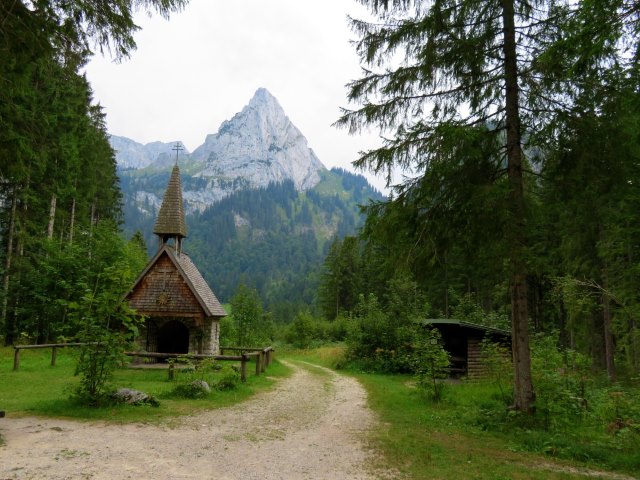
<point>310,426</point>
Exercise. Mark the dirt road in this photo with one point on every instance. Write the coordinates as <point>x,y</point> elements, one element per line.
<point>311,426</point>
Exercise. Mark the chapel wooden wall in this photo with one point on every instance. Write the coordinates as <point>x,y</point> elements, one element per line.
<point>163,292</point>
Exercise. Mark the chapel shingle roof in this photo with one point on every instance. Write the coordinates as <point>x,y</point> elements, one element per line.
<point>200,287</point>
<point>170,221</point>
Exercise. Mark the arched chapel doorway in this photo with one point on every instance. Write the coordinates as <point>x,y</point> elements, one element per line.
<point>173,337</point>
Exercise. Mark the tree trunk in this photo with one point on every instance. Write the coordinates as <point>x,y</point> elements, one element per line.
<point>52,216</point>
<point>73,219</point>
<point>609,348</point>
<point>9,336</point>
<point>523,387</point>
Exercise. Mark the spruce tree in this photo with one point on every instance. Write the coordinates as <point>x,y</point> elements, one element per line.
<point>435,69</point>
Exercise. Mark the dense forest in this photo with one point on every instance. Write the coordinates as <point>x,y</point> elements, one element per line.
<point>272,239</point>
<point>519,124</point>
<point>60,202</point>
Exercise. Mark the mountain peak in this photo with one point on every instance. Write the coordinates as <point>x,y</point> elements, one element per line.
<point>258,146</point>
<point>263,96</point>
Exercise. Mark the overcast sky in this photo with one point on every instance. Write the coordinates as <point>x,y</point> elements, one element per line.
<point>203,65</point>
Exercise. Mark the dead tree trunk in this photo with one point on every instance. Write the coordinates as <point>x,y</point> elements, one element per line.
<point>52,216</point>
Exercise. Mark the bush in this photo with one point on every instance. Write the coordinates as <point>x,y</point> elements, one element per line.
<point>302,331</point>
<point>497,359</point>
<point>192,389</point>
<point>229,379</point>
<point>431,362</point>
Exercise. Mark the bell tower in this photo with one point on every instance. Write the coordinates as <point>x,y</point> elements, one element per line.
<point>170,223</point>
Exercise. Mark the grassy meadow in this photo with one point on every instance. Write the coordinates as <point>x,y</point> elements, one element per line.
<point>466,434</point>
<point>463,436</point>
<point>40,389</point>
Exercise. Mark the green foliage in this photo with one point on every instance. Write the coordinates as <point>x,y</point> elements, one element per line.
<point>39,389</point>
<point>302,331</point>
<point>578,416</point>
<point>58,169</point>
<point>340,281</point>
<point>497,360</point>
<point>228,334</point>
<point>471,429</point>
<point>196,378</point>
<point>374,342</point>
<point>278,251</point>
<point>228,378</point>
<point>101,320</point>
<point>562,382</point>
<point>252,326</point>
<point>192,389</point>
<point>431,363</point>
<point>468,310</point>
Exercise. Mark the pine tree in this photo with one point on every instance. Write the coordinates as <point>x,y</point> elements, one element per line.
<point>450,65</point>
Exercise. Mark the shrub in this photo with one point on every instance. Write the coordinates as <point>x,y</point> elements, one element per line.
<point>499,368</point>
<point>431,362</point>
<point>192,389</point>
<point>229,379</point>
<point>302,331</point>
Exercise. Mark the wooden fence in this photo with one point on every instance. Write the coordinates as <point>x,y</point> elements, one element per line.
<point>263,356</point>
<point>54,351</point>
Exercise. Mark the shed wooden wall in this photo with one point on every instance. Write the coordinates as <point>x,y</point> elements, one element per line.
<point>476,367</point>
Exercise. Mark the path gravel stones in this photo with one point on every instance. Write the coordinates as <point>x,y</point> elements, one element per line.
<point>310,426</point>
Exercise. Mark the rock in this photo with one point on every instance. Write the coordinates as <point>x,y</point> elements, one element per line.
<point>130,396</point>
<point>201,385</point>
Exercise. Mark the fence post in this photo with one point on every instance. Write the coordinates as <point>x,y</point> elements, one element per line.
<point>258,368</point>
<point>243,368</point>
<point>16,359</point>
<point>263,356</point>
<point>54,355</point>
<point>171,371</point>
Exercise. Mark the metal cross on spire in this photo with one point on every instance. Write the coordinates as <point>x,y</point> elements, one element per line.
<point>177,148</point>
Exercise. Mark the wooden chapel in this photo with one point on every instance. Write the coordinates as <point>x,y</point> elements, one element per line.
<point>182,312</point>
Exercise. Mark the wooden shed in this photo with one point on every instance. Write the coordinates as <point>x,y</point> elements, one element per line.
<point>463,342</point>
<point>182,312</point>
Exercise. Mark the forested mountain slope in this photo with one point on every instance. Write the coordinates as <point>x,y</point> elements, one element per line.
<point>273,238</point>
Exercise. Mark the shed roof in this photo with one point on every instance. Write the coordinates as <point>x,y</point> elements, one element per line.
<point>170,221</point>
<point>192,277</point>
<point>463,324</point>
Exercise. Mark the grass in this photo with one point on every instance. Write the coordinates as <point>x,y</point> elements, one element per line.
<point>424,440</point>
<point>416,438</point>
<point>40,389</point>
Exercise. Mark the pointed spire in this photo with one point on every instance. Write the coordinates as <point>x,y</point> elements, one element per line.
<point>170,222</point>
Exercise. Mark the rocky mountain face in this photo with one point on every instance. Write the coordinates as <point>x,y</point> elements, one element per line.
<point>256,147</point>
<point>133,155</point>
<point>261,208</point>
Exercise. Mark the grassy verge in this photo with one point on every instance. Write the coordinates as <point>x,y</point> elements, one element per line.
<point>424,440</point>
<point>39,389</point>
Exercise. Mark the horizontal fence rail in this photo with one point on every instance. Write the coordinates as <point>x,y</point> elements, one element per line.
<point>54,350</point>
<point>263,356</point>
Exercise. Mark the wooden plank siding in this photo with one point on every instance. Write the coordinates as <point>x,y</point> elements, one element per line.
<point>163,292</point>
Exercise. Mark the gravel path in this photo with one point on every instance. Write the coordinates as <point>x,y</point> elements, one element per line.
<point>310,426</point>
